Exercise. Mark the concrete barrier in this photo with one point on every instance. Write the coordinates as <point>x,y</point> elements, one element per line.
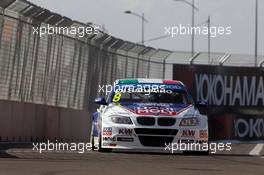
<point>26,122</point>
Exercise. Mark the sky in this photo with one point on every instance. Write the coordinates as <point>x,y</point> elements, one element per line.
<point>239,14</point>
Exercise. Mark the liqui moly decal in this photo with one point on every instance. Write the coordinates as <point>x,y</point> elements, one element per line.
<point>161,111</point>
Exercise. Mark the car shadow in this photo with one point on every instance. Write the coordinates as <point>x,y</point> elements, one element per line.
<point>4,147</point>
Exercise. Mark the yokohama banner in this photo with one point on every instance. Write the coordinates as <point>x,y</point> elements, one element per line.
<point>235,96</point>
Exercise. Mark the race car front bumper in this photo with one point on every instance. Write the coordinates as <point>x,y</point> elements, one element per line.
<point>150,137</point>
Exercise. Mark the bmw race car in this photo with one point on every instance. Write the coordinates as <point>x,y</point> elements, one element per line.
<point>147,114</point>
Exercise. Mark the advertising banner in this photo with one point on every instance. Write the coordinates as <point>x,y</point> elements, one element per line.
<point>235,97</point>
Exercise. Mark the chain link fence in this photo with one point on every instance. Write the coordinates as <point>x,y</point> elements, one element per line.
<point>66,70</point>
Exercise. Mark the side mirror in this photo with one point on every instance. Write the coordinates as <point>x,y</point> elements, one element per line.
<point>100,101</point>
<point>200,104</point>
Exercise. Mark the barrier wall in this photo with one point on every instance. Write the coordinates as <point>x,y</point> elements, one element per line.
<point>48,83</point>
<point>27,122</point>
<point>235,96</point>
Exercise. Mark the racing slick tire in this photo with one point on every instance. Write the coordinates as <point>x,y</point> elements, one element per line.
<point>198,153</point>
<point>92,139</point>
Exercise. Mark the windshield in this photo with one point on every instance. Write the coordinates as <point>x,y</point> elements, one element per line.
<point>175,97</point>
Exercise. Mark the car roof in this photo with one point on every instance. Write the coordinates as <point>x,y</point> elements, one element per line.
<point>148,80</point>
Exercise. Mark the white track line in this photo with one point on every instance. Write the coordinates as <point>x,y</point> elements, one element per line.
<point>256,150</point>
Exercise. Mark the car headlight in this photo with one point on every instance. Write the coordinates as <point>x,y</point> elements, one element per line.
<point>121,120</point>
<point>189,122</point>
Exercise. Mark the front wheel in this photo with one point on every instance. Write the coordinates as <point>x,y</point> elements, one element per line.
<point>100,149</point>
<point>92,139</point>
<point>200,153</point>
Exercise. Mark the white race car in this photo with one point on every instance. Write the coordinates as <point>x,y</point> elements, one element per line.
<point>148,114</point>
